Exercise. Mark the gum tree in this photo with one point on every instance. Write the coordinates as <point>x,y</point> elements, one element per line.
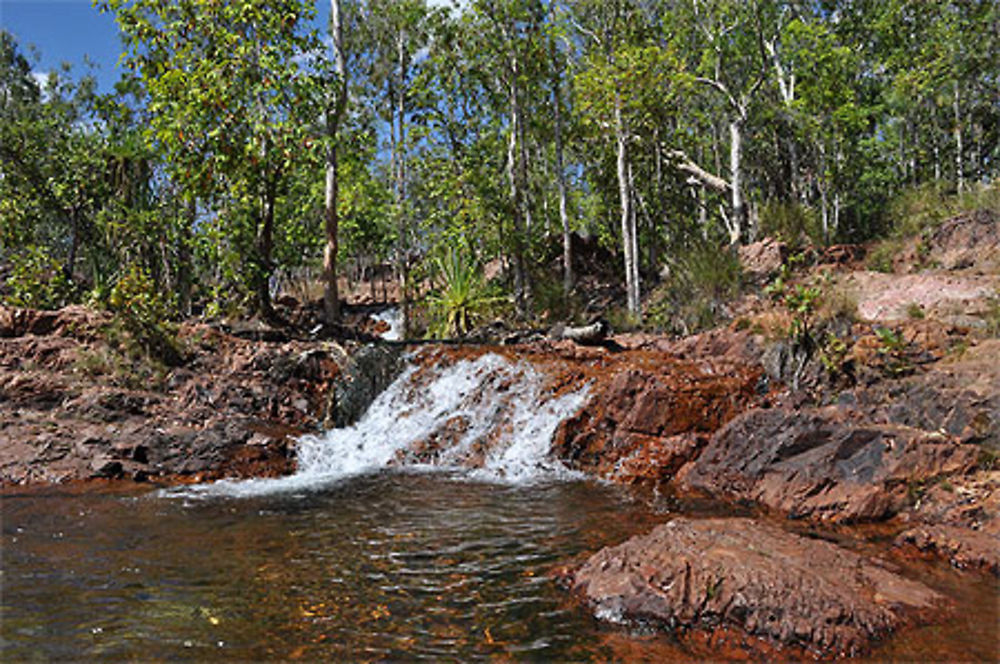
<point>228,108</point>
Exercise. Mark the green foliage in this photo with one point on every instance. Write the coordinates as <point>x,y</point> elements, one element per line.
<point>914,311</point>
<point>37,280</point>
<point>880,258</point>
<point>832,353</point>
<point>144,313</point>
<point>802,302</point>
<point>791,223</point>
<point>463,298</point>
<point>916,211</point>
<point>992,316</point>
<point>207,163</point>
<point>989,459</point>
<point>700,283</point>
<point>892,349</point>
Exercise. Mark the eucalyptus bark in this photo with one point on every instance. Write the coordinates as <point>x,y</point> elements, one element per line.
<point>738,221</point>
<point>627,217</point>
<point>399,154</point>
<point>561,180</point>
<point>522,294</point>
<point>334,115</point>
<point>959,171</point>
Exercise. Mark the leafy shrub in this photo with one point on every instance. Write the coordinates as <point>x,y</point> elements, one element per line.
<point>920,209</point>
<point>993,316</point>
<point>914,311</point>
<point>701,281</point>
<point>892,351</point>
<point>37,280</point>
<point>144,313</point>
<point>880,258</point>
<point>791,223</point>
<point>550,301</point>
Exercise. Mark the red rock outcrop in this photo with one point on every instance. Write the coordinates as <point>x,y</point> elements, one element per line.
<point>644,423</point>
<point>823,463</point>
<point>696,576</point>
<point>73,406</point>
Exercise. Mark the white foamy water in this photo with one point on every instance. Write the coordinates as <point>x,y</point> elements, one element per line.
<point>488,416</point>
<point>392,317</point>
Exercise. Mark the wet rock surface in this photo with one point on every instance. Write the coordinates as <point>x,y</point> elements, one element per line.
<point>644,423</point>
<point>367,373</point>
<point>962,547</point>
<point>698,576</point>
<point>73,406</point>
<point>824,463</point>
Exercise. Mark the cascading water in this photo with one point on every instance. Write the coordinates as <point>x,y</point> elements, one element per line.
<point>392,317</point>
<point>487,415</point>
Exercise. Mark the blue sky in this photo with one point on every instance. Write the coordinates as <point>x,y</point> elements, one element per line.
<point>67,30</point>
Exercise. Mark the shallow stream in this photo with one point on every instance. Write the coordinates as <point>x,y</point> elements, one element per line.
<point>351,559</point>
<point>384,566</point>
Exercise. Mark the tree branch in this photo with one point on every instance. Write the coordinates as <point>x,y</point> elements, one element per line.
<point>684,163</point>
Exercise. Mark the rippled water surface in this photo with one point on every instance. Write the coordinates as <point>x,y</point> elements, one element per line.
<point>391,565</point>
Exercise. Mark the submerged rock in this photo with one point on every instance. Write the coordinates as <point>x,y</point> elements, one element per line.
<point>823,463</point>
<point>735,573</point>
<point>963,547</point>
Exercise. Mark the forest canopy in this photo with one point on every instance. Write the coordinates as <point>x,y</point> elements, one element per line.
<point>243,144</point>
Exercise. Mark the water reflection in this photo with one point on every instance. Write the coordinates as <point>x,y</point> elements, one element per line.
<point>385,566</point>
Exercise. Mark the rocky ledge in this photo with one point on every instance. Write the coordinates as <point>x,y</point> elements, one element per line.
<point>76,404</point>
<point>737,575</point>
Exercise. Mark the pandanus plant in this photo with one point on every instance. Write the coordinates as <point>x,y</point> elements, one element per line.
<point>463,297</point>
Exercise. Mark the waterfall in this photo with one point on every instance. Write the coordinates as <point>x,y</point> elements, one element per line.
<point>392,317</point>
<point>488,416</point>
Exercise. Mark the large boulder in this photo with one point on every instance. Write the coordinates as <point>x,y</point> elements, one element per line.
<point>692,576</point>
<point>369,371</point>
<point>969,240</point>
<point>823,463</point>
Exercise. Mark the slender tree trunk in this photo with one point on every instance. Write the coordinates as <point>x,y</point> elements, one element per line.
<point>959,171</point>
<point>977,151</point>
<point>522,174</point>
<point>822,181</point>
<point>331,296</point>
<point>74,245</point>
<point>404,257</point>
<point>738,222</point>
<point>521,287</point>
<point>561,180</point>
<point>634,238</point>
<point>184,257</point>
<point>627,219</point>
<point>935,143</point>
<point>265,247</point>
<point>836,213</point>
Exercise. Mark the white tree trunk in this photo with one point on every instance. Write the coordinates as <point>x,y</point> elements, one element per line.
<point>959,174</point>
<point>521,295</point>
<point>627,219</point>
<point>331,297</point>
<point>561,180</point>
<point>737,222</point>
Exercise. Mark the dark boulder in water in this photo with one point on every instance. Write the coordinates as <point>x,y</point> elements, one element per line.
<point>368,373</point>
